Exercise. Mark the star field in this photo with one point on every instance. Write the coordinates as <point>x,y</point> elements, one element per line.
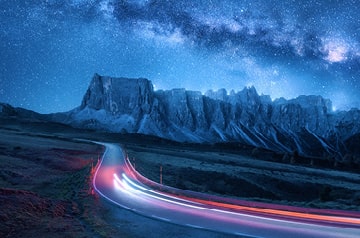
<point>50,49</point>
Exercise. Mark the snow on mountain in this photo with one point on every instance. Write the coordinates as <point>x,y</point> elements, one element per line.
<point>305,124</point>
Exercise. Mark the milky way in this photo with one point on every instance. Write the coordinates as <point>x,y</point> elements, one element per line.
<point>50,50</point>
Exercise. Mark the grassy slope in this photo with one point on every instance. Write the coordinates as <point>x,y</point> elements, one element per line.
<point>45,188</point>
<point>43,182</point>
<point>241,176</point>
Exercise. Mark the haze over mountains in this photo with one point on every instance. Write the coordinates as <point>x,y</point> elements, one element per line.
<point>305,124</point>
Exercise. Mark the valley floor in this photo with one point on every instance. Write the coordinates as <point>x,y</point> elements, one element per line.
<point>46,191</point>
<point>45,182</point>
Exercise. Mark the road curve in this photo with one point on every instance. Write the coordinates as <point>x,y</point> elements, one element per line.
<point>117,181</point>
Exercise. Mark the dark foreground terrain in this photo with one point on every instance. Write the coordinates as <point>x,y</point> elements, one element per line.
<point>45,181</point>
<point>45,188</point>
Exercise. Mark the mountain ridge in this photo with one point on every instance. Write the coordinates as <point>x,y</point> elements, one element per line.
<point>305,125</point>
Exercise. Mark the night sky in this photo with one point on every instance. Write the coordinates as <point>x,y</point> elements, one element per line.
<point>50,49</point>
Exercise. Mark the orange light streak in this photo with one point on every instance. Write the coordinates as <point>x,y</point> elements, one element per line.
<point>337,219</point>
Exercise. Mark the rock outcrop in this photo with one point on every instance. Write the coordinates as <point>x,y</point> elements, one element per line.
<point>305,124</point>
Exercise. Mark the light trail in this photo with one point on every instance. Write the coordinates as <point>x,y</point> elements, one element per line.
<point>142,189</point>
<point>337,219</point>
<point>117,181</point>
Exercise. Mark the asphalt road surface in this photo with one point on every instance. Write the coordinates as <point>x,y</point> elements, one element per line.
<point>117,181</point>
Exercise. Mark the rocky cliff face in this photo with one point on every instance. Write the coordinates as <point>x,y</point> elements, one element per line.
<point>304,124</point>
<point>119,95</point>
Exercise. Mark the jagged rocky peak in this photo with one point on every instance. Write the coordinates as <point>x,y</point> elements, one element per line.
<point>248,96</point>
<point>313,101</point>
<point>248,93</point>
<point>245,95</point>
<point>118,95</point>
<point>310,112</point>
<point>123,104</point>
<point>220,94</point>
<point>310,101</point>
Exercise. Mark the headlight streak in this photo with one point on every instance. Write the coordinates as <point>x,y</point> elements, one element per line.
<point>133,172</point>
<point>127,182</point>
<point>126,186</point>
<point>135,192</point>
<point>277,212</point>
<point>132,183</point>
<point>175,197</point>
<point>156,192</point>
<point>142,189</point>
<point>117,184</point>
<point>290,214</point>
<point>96,174</point>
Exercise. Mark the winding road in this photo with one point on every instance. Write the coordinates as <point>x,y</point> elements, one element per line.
<point>116,180</point>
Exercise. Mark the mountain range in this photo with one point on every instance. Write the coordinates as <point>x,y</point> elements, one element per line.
<point>305,125</point>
